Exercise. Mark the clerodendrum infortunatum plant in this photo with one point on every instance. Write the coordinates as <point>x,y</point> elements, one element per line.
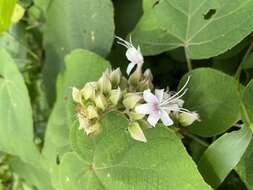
<point>133,97</point>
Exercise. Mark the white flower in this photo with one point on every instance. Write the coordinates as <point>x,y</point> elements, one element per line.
<point>161,104</point>
<point>133,55</point>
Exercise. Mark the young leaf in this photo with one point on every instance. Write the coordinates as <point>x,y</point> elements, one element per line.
<point>16,125</point>
<point>245,167</point>
<point>223,155</point>
<point>205,28</point>
<point>6,11</point>
<point>213,95</point>
<point>113,160</point>
<point>79,24</point>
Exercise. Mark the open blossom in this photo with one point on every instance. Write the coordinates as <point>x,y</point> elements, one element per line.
<point>161,104</point>
<point>133,55</point>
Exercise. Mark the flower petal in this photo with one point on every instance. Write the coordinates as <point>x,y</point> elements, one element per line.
<point>159,94</point>
<point>153,118</point>
<point>149,97</point>
<point>167,121</point>
<point>130,67</point>
<point>134,55</point>
<point>144,109</point>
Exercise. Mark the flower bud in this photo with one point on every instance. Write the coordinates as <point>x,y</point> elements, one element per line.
<point>130,100</point>
<point>123,83</point>
<point>91,112</point>
<point>88,90</point>
<point>100,101</point>
<point>134,116</point>
<point>83,123</point>
<point>187,118</point>
<point>145,84</point>
<point>148,75</point>
<point>76,95</point>
<point>104,84</point>
<point>115,77</point>
<point>136,132</point>
<point>115,96</point>
<point>135,77</point>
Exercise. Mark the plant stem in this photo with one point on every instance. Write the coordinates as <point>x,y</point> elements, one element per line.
<point>188,61</point>
<point>195,138</point>
<point>239,69</point>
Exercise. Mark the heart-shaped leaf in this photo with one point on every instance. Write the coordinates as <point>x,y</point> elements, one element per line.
<point>204,28</point>
<point>113,160</point>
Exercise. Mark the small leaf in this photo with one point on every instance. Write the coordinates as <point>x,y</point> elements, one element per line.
<point>223,155</point>
<point>6,11</point>
<point>213,95</point>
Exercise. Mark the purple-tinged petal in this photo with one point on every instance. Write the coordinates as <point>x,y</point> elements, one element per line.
<point>149,97</point>
<point>153,118</point>
<point>167,121</point>
<point>144,109</point>
<point>159,94</point>
<point>130,67</point>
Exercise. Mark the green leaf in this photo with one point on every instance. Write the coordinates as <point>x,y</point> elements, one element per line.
<point>6,11</point>
<point>82,66</point>
<point>16,125</point>
<point>245,167</point>
<point>79,24</point>
<point>113,160</point>
<point>247,105</point>
<point>223,155</point>
<point>205,28</point>
<point>33,175</point>
<point>214,96</point>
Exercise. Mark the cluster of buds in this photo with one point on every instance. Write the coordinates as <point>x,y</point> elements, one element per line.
<point>132,96</point>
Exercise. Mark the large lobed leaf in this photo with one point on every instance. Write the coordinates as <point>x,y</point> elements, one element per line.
<point>205,28</point>
<point>16,125</point>
<point>113,160</point>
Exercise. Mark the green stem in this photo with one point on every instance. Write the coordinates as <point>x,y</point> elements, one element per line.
<point>188,61</point>
<point>239,69</point>
<point>195,138</point>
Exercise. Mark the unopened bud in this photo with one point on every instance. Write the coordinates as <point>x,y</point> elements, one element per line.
<point>115,77</point>
<point>148,75</point>
<point>83,123</point>
<point>88,90</point>
<point>123,83</point>
<point>135,77</point>
<point>134,116</point>
<point>100,101</point>
<point>136,132</point>
<point>91,112</point>
<point>131,99</point>
<point>115,96</point>
<point>145,84</point>
<point>76,95</point>
<point>187,118</point>
<point>104,84</point>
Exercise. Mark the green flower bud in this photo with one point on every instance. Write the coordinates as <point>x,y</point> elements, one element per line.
<point>148,75</point>
<point>115,77</point>
<point>115,96</point>
<point>130,100</point>
<point>91,112</point>
<point>100,101</point>
<point>104,84</point>
<point>88,90</point>
<point>134,116</point>
<point>145,84</point>
<point>187,118</point>
<point>135,77</point>
<point>76,95</point>
<point>123,83</point>
<point>136,132</point>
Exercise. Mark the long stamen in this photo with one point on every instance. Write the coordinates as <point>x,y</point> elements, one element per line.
<point>174,98</point>
<point>177,94</point>
<point>124,42</point>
